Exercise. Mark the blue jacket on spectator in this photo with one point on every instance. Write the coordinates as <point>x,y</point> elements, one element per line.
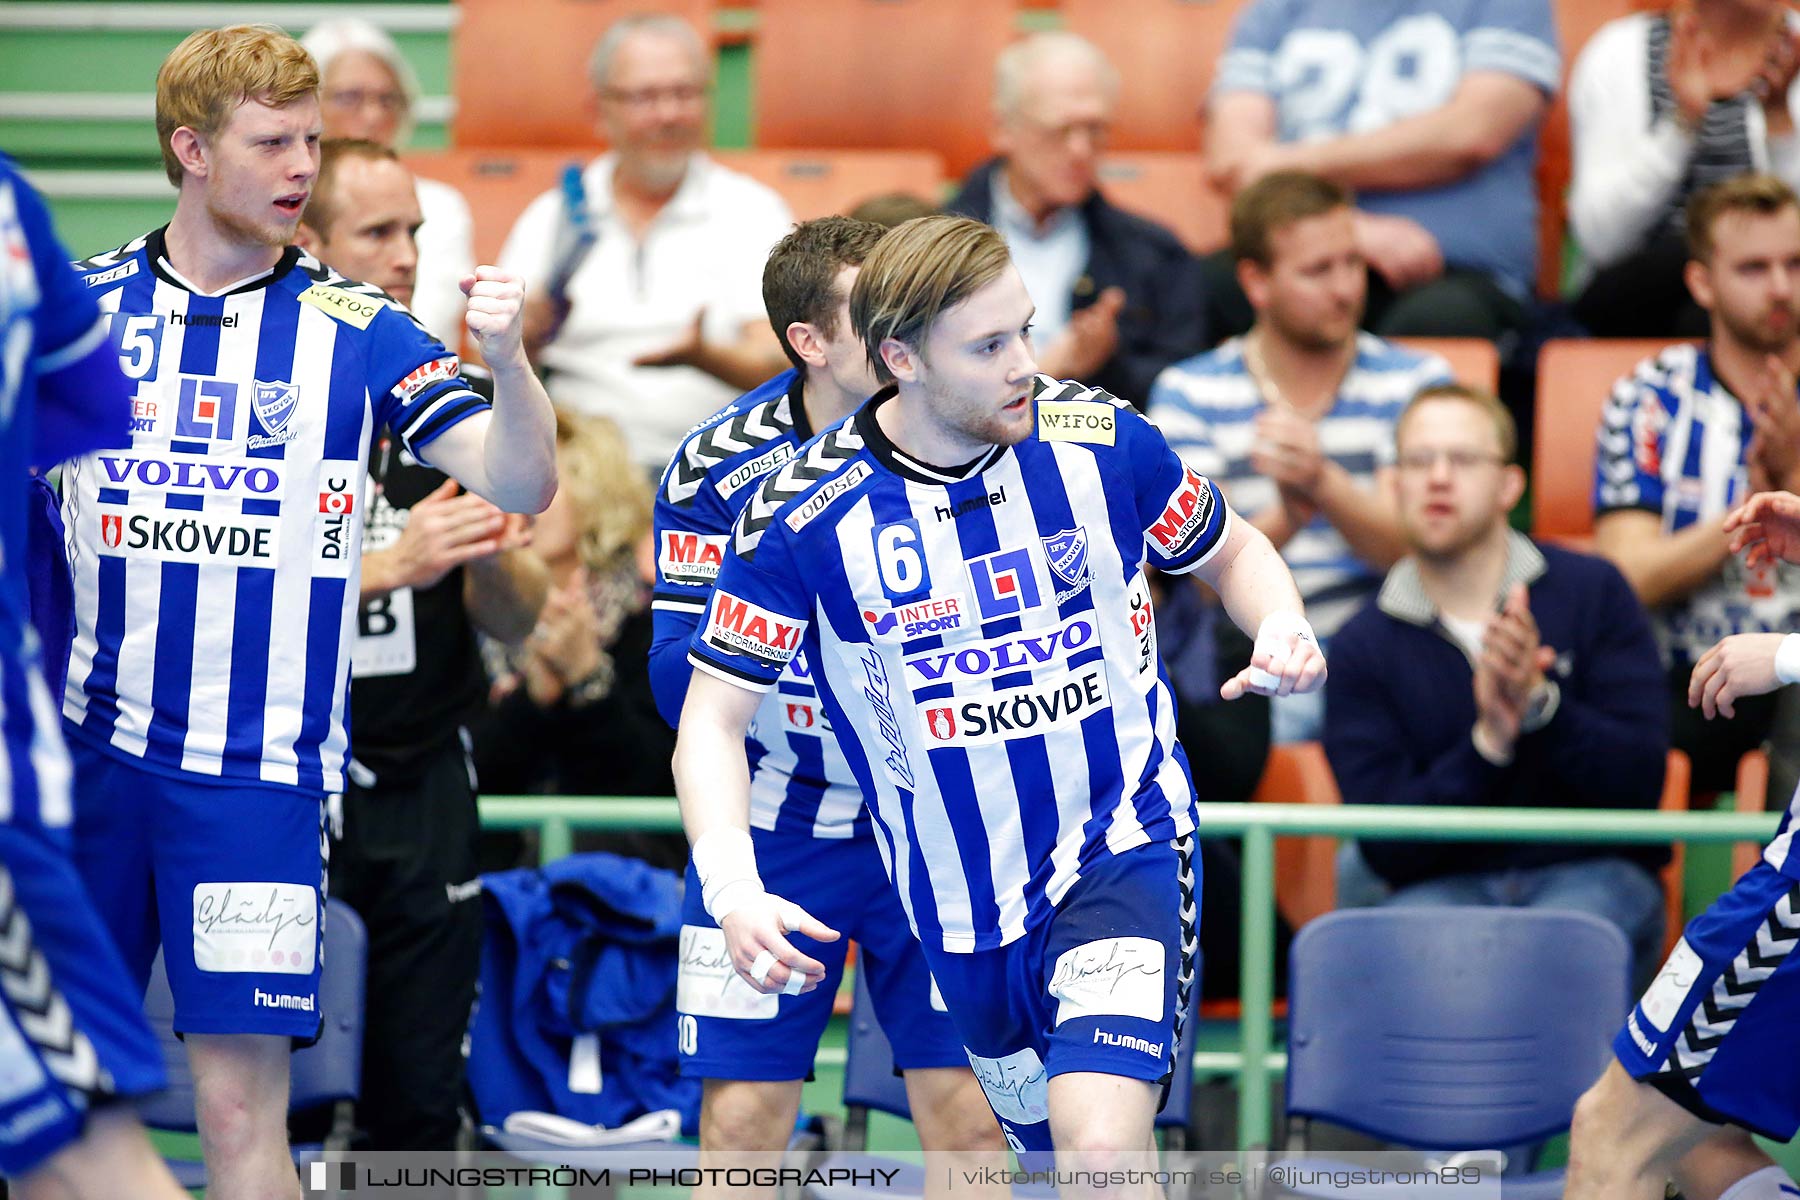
<point>1401,707</point>
<point>1164,318</point>
<point>584,945</point>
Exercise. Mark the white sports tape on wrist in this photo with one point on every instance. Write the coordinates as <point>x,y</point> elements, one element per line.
<point>1272,641</point>
<point>723,858</point>
<point>1787,659</point>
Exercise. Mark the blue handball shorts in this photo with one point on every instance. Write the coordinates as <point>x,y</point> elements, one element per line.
<point>229,878</point>
<point>72,1031</point>
<point>1103,984</point>
<point>1715,1030</point>
<point>729,1030</point>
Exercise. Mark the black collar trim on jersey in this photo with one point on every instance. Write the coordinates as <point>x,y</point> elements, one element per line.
<point>796,394</point>
<point>157,250</point>
<point>904,464</point>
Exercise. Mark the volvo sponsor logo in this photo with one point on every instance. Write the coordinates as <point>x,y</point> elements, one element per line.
<point>1019,712</point>
<point>194,473</point>
<point>1000,656</point>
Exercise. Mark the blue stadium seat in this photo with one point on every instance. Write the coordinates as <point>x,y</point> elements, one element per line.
<point>327,1074</point>
<point>1452,1029</point>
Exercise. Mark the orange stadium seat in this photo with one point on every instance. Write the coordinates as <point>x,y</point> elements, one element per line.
<point>1171,188</point>
<point>1676,777</point>
<point>1752,797</point>
<point>1474,361</point>
<point>499,182</point>
<point>519,67</point>
<point>1166,50</point>
<point>818,183</point>
<point>1305,867</point>
<point>837,73</point>
<point>1574,378</point>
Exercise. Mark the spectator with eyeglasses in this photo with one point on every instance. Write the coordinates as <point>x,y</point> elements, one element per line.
<point>368,92</point>
<point>645,269</point>
<point>1496,672</point>
<point>1118,296</point>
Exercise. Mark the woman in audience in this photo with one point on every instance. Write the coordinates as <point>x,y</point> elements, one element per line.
<point>1661,105</point>
<point>571,711</point>
<point>369,91</point>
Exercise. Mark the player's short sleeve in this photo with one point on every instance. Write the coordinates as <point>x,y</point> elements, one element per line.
<point>758,611</point>
<point>83,400</point>
<point>1248,64</point>
<point>1517,37</point>
<point>1628,464</point>
<point>416,384</point>
<point>1182,512</point>
<point>692,533</point>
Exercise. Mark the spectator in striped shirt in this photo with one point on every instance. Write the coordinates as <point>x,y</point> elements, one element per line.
<point>1295,419</point>
<point>1691,433</point>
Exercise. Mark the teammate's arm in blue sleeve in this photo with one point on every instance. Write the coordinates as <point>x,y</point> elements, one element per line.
<point>692,536</point>
<point>83,400</point>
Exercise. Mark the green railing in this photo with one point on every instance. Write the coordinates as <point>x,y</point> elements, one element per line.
<point>557,818</point>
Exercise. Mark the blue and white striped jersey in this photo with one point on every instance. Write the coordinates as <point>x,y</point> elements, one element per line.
<point>217,549</point>
<point>799,780</point>
<point>1207,406</point>
<point>1673,441</point>
<point>60,394</point>
<point>983,642</point>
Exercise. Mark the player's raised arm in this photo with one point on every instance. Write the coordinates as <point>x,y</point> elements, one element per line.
<point>507,456</point>
<point>712,781</point>
<point>1259,593</point>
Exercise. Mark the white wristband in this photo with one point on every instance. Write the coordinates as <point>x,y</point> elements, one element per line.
<point>1787,659</point>
<point>725,861</point>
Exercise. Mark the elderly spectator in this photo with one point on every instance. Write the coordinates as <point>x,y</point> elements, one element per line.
<point>645,277</point>
<point>1661,105</point>
<point>368,91</point>
<point>1295,420</point>
<point>1118,297</point>
<point>1495,672</point>
<point>1689,434</point>
<point>1429,110</point>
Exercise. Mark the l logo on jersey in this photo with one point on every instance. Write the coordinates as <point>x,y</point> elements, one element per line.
<point>1005,583</point>
<point>1068,555</point>
<point>206,408</point>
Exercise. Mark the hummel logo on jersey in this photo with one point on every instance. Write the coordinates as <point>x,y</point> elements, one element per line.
<point>1021,712</point>
<point>972,504</point>
<point>1126,1041</point>
<point>214,320</point>
<point>934,614</point>
<point>1184,515</point>
<point>282,1000</point>
<point>738,627</point>
<point>1005,583</point>
<point>691,557</point>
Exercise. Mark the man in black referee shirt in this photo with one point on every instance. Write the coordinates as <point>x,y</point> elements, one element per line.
<point>437,566</point>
